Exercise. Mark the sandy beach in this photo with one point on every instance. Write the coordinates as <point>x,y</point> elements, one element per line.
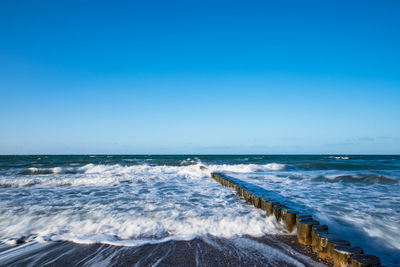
<point>245,251</point>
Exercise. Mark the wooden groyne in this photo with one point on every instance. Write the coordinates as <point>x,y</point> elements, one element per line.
<point>310,232</point>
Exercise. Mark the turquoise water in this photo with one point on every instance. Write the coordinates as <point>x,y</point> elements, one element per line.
<point>135,200</point>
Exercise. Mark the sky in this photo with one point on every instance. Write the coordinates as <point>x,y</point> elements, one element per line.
<point>199,77</point>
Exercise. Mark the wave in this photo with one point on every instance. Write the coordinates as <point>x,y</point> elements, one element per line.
<point>159,203</point>
<point>139,231</point>
<point>131,205</point>
<point>369,179</point>
<point>55,170</point>
<point>86,169</point>
<point>346,165</point>
<point>188,161</point>
<point>92,168</point>
<point>248,168</point>
<point>338,157</point>
<point>100,174</point>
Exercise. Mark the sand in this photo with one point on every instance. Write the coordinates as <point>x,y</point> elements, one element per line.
<point>276,250</point>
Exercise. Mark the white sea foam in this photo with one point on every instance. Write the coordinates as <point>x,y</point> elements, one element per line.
<point>128,205</point>
<point>139,204</point>
<point>338,157</point>
<point>358,206</point>
<point>248,168</point>
<point>98,174</point>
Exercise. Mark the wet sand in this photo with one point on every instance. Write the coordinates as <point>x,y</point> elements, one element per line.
<point>277,250</point>
<point>292,241</point>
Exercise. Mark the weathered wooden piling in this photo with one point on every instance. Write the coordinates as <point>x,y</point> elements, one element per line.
<point>342,255</point>
<point>263,203</point>
<point>332,243</point>
<point>309,231</point>
<point>270,207</point>
<point>277,211</point>
<point>304,231</point>
<point>247,197</point>
<point>323,245</point>
<point>256,201</point>
<point>240,191</point>
<point>302,217</point>
<point>315,238</point>
<point>364,260</point>
<point>289,219</point>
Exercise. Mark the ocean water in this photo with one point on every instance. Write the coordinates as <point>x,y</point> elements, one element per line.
<point>134,201</point>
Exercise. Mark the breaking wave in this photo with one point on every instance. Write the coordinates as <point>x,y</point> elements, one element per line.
<point>368,179</point>
<point>127,205</point>
<point>99,174</point>
<point>134,201</point>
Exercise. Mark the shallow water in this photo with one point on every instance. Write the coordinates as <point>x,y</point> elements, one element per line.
<point>132,201</point>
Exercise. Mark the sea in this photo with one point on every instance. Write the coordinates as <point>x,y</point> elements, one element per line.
<point>163,210</point>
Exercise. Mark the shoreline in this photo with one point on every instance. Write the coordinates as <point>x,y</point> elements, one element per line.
<point>291,241</point>
<point>269,250</point>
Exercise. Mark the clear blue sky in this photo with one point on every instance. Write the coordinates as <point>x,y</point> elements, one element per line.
<point>199,77</point>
